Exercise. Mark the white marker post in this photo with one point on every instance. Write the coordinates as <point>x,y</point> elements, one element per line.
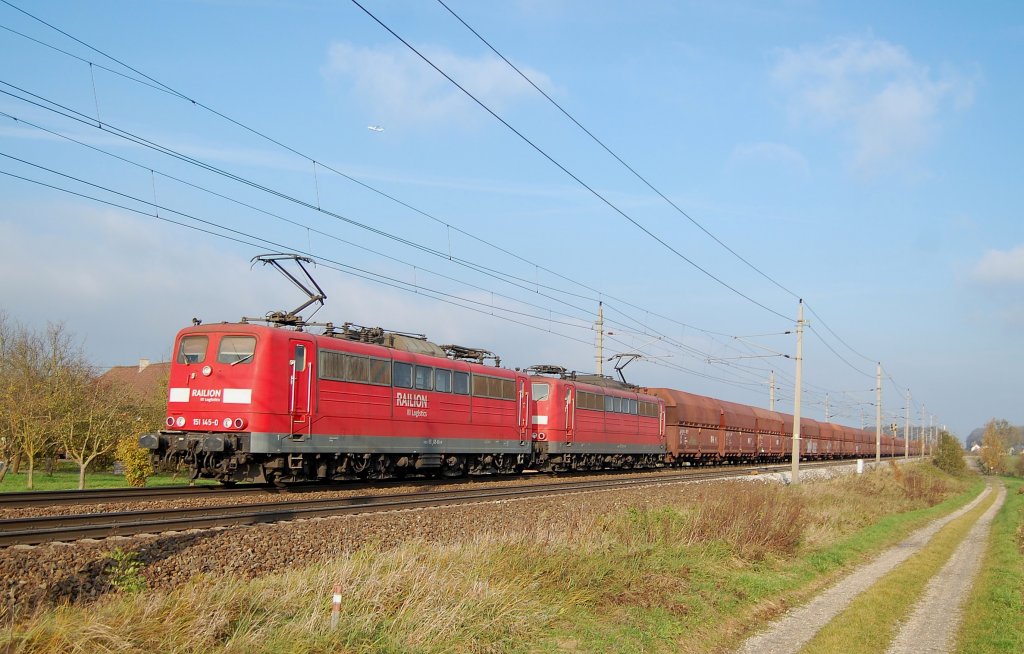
<point>336,607</point>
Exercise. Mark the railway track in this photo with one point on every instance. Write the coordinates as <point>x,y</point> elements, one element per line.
<point>26,499</point>
<point>104,495</point>
<point>43,529</point>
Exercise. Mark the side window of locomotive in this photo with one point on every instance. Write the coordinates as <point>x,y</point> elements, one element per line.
<point>540,391</point>
<point>494,387</point>
<point>402,375</point>
<point>300,358</point>
<point>236,349</point>
<point>380,372</point>
<point>508,389</point>
<point>357,369</point>
<point>192,349</point>
<point>634,407</point>
<point>424,378</point>
<point>461,385</point>
<point>443,380</point>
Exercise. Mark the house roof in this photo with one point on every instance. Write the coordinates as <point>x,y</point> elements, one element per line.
<point>145,378</point>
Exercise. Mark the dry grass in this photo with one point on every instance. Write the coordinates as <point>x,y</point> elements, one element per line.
<point>751,520</point>
<point>849,503</point>
<point>678,570</point>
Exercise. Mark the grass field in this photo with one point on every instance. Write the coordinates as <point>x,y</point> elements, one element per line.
<point>697,574</point>
<point>65,477</point>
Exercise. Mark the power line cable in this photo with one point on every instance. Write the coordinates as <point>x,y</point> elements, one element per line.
<point>565,170</point>
<point>157,85</point>
<point>68,112</point>
<point>240,237</point>
<point>167,89</point>
<point>616,156</point>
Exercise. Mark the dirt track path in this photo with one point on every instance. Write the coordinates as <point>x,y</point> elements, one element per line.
<point>798,626</point>
<point>933,624</point>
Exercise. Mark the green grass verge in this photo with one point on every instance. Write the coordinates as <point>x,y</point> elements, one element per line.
<point>870,623</point>
<point>65,477</point>
<point>992,617</point>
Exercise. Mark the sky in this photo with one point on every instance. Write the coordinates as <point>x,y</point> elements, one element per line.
<point>706,166</point>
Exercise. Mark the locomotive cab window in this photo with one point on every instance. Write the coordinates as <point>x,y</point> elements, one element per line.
<point>300,358</point>
<point>192,349</point>
<point>236,349</point>
<point>541,391</point>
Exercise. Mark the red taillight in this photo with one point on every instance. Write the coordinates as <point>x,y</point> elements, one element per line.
<point>170,421</point>
<point>238,423</point>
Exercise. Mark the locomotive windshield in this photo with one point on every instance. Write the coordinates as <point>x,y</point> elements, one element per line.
<point>236,349</point>
<point>541,391</point>
<point>192,349</point>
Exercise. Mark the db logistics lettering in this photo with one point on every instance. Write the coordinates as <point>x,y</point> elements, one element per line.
<point>207,394</point>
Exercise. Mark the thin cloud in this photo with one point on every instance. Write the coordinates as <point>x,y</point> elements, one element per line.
<point>398,87</point>
<point>773,154</point>
<point>873,93</point>
<point>1000,267</point>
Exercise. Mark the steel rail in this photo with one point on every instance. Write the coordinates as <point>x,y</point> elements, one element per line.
<point>25,499</point>
<point>37,530</point>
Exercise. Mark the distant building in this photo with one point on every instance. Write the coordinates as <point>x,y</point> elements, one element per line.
<point>145,378</point>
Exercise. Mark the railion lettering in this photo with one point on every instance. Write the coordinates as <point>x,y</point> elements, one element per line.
<point>411,400</point>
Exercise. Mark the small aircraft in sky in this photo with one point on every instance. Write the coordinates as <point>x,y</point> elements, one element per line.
<point>375,128</point>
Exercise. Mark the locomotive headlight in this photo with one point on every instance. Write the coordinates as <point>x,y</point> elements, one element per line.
<point>207,371</point>
<point>180,421</point>
<point>227,423</point>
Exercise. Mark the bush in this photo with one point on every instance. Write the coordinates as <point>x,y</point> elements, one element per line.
<point>125,571</point>
<point>136,461</point>
<point>949,456</point>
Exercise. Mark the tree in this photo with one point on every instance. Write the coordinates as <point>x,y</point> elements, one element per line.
<point>24,400</point>
<point>99,415</point>
<point>7,443</point>
<point>994,443</point>
<point>36,369</point>
<point>949,455</point>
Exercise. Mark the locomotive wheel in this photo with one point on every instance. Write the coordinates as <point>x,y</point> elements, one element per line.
<point>454,466</point>
<point>275,479</point>
<point>360,464</point>
<point>380,468</point>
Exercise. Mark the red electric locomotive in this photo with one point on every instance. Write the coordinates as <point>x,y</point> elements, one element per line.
<point>260,403</point>
<point>589,422</point>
